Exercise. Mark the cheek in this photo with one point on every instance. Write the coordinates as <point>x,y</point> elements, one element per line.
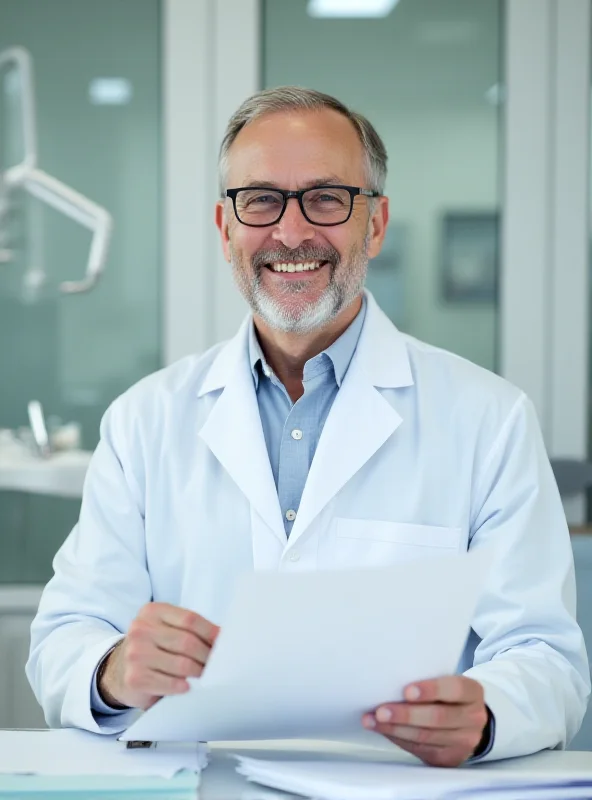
<point>342,239</point>
<point>351,245</point>
<point>244,241</point>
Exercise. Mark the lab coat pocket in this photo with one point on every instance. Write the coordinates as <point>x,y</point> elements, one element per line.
<point>376,543</point>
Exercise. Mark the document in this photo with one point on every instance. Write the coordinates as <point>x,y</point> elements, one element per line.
<point>338,780</point>
<point>304,655</point>
<point>75,753</point>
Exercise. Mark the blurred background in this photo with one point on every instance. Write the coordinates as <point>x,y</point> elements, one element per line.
<point>111,115</point>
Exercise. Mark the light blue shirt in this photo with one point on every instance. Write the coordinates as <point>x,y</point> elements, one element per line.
<point>292,430</point>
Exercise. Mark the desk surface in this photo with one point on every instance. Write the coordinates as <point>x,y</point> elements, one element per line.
<point>220,780</point>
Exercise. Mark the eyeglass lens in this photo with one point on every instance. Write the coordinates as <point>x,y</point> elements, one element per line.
<point>322,205</point>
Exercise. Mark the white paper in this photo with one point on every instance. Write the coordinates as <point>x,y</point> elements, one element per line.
<point>339,780</point>
<point>73,752</point>
<point>304,655</point>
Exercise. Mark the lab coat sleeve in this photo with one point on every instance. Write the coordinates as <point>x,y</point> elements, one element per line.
<point>100,583</point>
<point>531,659</point>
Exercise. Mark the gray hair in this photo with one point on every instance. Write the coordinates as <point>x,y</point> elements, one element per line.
<point>296,98</point>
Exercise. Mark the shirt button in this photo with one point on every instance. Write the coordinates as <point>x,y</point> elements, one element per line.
<point>294,556</point>
<point>266,372</point>
<point>296,434</point>
<point>290,515</point>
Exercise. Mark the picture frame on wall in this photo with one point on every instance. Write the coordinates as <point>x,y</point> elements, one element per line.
<point>470,256</point>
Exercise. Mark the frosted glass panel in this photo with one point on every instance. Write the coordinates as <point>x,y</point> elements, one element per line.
<point>97,80</point>
<point>428,77</point>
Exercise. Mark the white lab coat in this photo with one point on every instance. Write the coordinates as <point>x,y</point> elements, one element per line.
<point>422,453</point>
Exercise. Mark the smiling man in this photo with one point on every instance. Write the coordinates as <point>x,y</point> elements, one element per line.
<point>320,437</point>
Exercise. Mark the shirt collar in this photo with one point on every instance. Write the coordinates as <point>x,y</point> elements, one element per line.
<point>340,352</point>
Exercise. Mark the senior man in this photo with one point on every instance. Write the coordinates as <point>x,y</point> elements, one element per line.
<point>320,437</point>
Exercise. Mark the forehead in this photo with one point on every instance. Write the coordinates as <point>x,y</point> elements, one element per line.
<point>296,147</point>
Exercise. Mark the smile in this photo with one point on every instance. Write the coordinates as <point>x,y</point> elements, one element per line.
<point>306,266</point>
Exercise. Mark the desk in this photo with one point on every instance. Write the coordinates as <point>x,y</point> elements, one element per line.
<point>220,781</point>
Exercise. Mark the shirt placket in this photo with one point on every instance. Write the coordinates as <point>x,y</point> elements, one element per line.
<point>296,449</point>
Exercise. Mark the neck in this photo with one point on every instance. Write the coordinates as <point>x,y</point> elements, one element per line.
<point>287,353</point>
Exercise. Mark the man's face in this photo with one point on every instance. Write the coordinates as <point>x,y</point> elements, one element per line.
<point>298,150</point>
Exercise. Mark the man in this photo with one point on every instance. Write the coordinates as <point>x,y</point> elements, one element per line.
<point>319,437</point>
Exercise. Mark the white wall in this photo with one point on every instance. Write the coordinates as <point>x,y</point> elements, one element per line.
<point>441,161</point>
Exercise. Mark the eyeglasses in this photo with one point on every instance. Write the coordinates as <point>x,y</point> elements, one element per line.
<point>259,206</point>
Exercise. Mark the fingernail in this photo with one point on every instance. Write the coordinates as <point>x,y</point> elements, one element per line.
<point>384,714</point>
<point>369,721</point>
<point>412,693</point>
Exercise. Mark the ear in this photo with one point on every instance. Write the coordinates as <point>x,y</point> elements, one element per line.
<point>377,226</point>
<point>222,224</point>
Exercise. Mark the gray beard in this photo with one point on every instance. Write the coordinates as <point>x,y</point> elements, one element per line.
<point>338,295</point>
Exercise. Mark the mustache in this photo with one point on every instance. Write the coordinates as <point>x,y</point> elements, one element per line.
<point>303,253</point>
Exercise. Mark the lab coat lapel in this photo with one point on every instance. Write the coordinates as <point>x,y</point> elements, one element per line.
<point>234,433</point>
<point>361,419</point>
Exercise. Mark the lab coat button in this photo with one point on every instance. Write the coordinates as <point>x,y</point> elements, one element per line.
<point>294,556</point>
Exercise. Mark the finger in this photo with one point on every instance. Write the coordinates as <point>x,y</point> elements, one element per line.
<point>189,621</point>
<point>449,689</point>
<point>183,643</point>
<point>439,737</point>
<point>140,678</point>
<point>185,619</point>
<point>174,665</point>
<point>161,684</point>
<point>432,715</point>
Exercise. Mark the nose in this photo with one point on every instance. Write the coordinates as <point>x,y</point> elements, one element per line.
<point>293,228</point>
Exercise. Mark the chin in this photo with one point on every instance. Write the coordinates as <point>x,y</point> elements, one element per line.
<point>302,318</point>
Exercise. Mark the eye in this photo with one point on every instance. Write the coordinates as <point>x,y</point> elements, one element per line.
<point>327,198</point>
<point>264,198</point>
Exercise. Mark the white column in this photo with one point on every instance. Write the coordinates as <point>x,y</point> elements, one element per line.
<point>187,90</point>
<point>567,434</point>
<point>238,57</point>
<point>526,242</point>
<point>211,54</point>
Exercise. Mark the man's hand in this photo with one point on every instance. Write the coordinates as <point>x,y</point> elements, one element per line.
<point>442,721</point>
<point>165,645</point>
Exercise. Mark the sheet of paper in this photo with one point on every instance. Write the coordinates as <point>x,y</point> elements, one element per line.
<point>72,752</point>
<point>304,655</point>
<point>339,780</point>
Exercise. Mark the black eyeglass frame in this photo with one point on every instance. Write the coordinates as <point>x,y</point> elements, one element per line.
<point>354,191</point>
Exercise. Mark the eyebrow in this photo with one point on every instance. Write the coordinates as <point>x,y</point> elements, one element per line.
<point>325,180</point>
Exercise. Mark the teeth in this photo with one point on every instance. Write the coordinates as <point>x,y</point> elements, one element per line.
<point>307,266</point>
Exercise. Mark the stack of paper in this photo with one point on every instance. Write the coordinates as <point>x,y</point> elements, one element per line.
<point>69,752</point>
<point>278,671</point>
<point>339,780</point>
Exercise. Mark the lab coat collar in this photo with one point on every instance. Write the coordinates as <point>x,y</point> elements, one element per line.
<point>361,419</point>
<point>359,423</point>
<point>234,433</point>
<point>381,351</point>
